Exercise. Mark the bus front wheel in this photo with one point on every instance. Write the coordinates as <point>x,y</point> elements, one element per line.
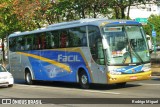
<point>83,80</point>
<point>28,78</point>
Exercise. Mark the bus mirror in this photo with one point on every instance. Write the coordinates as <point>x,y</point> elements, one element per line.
<point>105,44</point>
<point>149,43</point>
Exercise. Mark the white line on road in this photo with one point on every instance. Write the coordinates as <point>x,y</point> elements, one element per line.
<point>148,84</point>
<point>103,92</point>
<point>45,87</point>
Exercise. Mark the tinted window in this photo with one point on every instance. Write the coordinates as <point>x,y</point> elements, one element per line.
<point>95,43</point>
<point>12,43</point>
<point>64,38</point>
<point>77,37</point>
<point>64,35</point>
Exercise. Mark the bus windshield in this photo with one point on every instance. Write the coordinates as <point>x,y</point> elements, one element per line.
<point>127,45</point>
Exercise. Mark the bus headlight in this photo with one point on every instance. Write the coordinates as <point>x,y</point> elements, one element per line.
<point>146,67</point>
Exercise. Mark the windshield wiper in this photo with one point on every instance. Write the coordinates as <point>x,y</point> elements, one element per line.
<point>131,53</point>
<point>136,54</point>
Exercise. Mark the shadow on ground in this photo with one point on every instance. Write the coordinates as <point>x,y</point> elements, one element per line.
<point>76,85</point>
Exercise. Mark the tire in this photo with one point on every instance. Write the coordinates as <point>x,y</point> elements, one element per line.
<point>28,78</point>
<point>10,85</point>
<point>83,80</point>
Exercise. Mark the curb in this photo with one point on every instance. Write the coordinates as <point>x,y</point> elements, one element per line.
<point>155,74</point>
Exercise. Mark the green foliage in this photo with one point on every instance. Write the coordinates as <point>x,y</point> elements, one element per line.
<point>155,20</point>
<point>8,20</point>
<point>22,15</point>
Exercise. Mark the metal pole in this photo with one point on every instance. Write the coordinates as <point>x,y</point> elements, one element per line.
<point>154,37</point>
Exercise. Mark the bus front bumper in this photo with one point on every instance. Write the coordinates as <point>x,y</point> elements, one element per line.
<point>128,77</point>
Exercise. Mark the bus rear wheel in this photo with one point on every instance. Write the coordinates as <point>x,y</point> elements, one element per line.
<point>28,78</point>
<point>83,80</point>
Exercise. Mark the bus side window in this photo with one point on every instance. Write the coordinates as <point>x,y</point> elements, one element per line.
<point>34,43</point>
<point>28,42</point>
<point>38,43</point>
<point>84,40</point>
<point>19,44</point>
<point>48,38</point>
<point>63,40</point>
<point>54,39</point>
<point>77,37</point>
<point>27,47</point>
<point>12,44</point>
<point>43,41</point>
<point>22,44</point>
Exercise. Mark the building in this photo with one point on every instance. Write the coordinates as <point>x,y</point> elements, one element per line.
<point>144,10</point>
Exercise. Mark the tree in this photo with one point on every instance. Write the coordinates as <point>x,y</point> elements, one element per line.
<point>66,10</point>
<point>119,7</point>
<point>8,21</point>
<point>31,13</point>
<point>155,20</point>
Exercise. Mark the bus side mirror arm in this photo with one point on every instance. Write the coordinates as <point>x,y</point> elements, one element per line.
<point>105,44</point>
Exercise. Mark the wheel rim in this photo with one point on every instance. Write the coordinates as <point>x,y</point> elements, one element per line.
<point>84,79</point>
<point>28,77</point>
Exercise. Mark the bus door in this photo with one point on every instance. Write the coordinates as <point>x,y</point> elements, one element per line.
<point>96,48</point>
<point>99,67</point>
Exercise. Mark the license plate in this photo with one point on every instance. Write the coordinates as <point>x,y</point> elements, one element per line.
<point>133,77</point>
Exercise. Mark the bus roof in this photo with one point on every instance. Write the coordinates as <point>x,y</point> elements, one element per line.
<point>81,22</point>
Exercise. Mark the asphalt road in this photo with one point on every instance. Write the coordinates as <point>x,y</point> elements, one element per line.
<point>141,89</point>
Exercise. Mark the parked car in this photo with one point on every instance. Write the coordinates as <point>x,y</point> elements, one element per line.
<point>6,78</point>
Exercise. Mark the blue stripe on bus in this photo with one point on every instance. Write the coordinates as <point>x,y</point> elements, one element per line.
<point>43,70</point>
<point>130,69</point>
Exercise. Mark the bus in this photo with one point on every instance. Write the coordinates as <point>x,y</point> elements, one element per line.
<point>85,51</point>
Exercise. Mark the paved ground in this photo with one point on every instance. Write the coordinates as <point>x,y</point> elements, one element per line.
<point>155,60</point>
<point>155,57</point>
<point>141,90</point>
<point>155,69</point>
